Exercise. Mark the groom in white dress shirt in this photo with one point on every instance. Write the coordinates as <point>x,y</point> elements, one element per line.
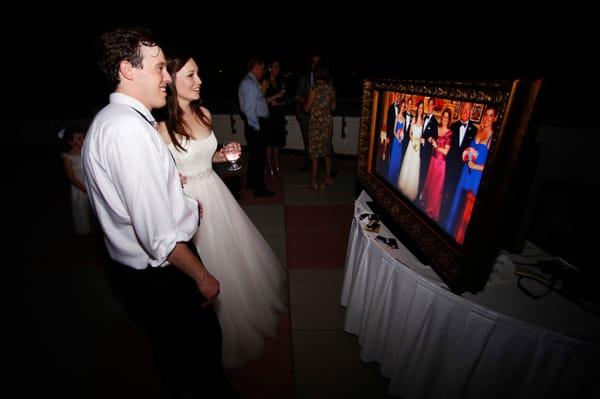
<point>147,221</point>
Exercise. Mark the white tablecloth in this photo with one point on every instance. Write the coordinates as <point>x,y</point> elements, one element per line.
<point>432,343</point>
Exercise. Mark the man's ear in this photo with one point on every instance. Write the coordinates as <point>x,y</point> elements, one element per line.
<point>126,70</point>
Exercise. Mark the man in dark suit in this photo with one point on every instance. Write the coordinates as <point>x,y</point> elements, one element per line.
<point>430,131</point>
<point>408,119</point>
<point>392,112</point>
<point>463,132</point>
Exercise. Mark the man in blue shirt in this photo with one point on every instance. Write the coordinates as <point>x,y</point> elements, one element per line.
<point>255,111</point>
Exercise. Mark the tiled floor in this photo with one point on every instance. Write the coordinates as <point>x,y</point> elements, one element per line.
<point>69,338</point>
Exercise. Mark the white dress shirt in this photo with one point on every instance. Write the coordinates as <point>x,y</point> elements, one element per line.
<point>462,130</point>
<point>134,187</point>
<point>427,119</point>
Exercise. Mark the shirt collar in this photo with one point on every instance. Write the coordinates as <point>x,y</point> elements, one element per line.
<point>254,78</point>
<point>120,98</point>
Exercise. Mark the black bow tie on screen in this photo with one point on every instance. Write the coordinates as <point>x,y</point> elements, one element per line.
<point>464,124</point>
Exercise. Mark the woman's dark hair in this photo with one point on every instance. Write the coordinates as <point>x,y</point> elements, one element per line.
<point>321,72</point>
<point>176,126</point>
<point>122,44</point>
<point>446,111</point>
<point>419,106</point>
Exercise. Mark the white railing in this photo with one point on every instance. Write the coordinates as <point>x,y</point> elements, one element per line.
<point>43,133</point>
<point>347,145</point>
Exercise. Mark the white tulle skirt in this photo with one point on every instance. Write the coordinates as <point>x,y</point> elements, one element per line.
<point>251,276</point>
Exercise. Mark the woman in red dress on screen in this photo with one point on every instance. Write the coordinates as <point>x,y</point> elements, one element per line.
<point>434,182</point>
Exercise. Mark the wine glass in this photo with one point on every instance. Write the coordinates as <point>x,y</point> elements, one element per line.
<point>232,149</point>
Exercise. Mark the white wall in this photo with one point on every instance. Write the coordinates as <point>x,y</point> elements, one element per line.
<point>42,133</point>
<point>347,145</point>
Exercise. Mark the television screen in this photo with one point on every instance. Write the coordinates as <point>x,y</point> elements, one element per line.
<point>441,160</point>
<point>433,151</point>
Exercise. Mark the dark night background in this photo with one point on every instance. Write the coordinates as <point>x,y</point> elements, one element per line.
<point>50,75</point>
<point>51,71</point>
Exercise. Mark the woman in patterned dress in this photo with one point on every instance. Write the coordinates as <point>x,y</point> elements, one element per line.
<point>321,104</point>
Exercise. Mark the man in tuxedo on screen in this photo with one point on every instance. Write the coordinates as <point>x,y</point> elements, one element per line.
<point>408,116</point>
<point>463,132</point>
<point>390,124</point>
<point>430,131</point>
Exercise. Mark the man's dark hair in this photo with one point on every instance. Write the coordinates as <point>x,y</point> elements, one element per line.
<point>122,44</point>
<point>255,60</point>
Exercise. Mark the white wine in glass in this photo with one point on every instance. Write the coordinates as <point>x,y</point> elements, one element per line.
<point>232,150</point>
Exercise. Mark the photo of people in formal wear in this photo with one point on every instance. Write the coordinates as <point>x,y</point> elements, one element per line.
<point>432,151</point>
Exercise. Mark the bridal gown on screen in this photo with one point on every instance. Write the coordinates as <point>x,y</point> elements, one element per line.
<point>408,182</point>
<point>234,251</point>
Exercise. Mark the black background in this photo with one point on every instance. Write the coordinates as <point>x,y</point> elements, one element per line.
<point>50,69</point>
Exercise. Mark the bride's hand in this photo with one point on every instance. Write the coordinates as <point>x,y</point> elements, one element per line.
<point>183,179</point>
<point>222,157</point>
<point>200,209</point>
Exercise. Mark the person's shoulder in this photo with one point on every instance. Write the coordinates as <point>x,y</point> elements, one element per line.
<point>206,112</point>
<point>116,113</point>
<point>162,130</point>
<point>246,79</point>
<point>116,120</point>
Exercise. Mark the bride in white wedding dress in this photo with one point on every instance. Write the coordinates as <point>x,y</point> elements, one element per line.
<point>229,244</point>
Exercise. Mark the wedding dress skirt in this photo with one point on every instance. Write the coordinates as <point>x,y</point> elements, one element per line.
<point>234,251</point>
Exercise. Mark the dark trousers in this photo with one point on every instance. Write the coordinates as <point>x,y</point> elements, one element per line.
<point>256,140</point>
<point>186,338</point>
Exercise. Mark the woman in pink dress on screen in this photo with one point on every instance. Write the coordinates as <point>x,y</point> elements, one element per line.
<point>434,182</point>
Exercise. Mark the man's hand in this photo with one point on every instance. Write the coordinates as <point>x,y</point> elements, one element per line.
<point>210,287</point>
